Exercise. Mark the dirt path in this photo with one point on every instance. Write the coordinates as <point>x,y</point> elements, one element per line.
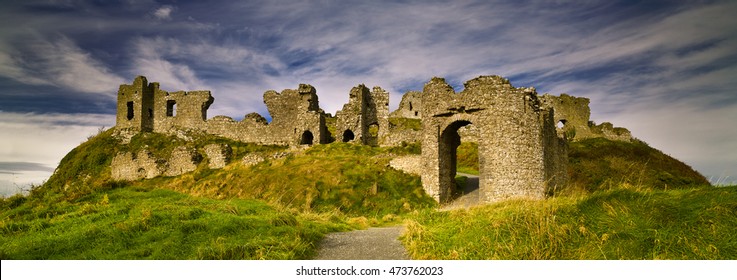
<point>470,195</point>
<point>368,244</point>
<point>383,243</point>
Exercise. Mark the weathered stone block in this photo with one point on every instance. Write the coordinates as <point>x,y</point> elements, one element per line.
<point>183,159</point>
<point>127,166</point>
<point>252,159</point>
<point>408,164</point>
<point>217,155</point>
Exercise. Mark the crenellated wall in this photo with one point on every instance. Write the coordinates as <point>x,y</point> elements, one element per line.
<point>521,136</point>
<point>296,115</point>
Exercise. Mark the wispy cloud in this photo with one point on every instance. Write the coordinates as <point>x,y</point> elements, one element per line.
<point>15,166</point>
<point>164,12</point>
<point>58,62</point>
<point>46,138</point>
<point>639,63</point>
<point>33,144</point>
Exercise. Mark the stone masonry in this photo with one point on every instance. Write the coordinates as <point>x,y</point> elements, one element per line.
<point>410,107</point>
<point>521,151</point>
<point>296,116</point>
<point>572,119</point>
<point>518,148</point>
<point>365,118</point>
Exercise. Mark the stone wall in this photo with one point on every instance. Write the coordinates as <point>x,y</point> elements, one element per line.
<point>181,109</point>
<point>512,139</point>
<point>408,164</point>
<point>365,118</point>
<point>410,106</point>
<point>130,167</point>
<point>183,159</point>
<point>396,137</point>
<point>217,155</point>
<point>127,166</point>
<point>296,115</point>
<point>572,119</point>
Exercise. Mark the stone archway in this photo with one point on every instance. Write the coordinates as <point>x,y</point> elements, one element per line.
<point>448,145</point>
<point>442,154</point>
<point>348,135</point>
<point>518,146</point>
<point>307,138</point>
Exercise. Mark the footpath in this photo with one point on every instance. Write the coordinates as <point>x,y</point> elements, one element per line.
<point>383,243</point>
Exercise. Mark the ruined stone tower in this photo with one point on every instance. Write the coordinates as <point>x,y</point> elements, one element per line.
<point>145,107</point>
<point>520,154</point>
<point>365,118</point>
<point>296,115</point>
<point>136,105</point>
<point>410,107</point>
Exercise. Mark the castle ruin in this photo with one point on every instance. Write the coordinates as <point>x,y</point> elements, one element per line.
<point>521,151</point>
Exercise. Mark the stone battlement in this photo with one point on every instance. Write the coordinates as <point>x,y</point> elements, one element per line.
<point>521,151</point>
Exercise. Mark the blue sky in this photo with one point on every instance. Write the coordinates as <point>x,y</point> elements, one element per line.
<point>667,70</point>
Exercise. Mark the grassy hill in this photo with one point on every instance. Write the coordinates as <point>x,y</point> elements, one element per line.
<point>278,209</point>
<point>627,222</point>
<point>625,200</point>
<point>631,202</point>
<point>141,223</point>
<point>599,163</point>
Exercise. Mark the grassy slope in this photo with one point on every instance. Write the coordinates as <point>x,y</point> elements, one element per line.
<point>137,223</point>
<point>601,163</point>
<point>671,214</point>
<point>281,207</point>
<point>623,223</point>
<point>278,209</point>
<point>352,179</point>
<point>468,158</point>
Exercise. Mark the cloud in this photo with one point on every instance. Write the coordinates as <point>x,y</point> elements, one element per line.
<point>164,12</point>
<point>13,166</point>
<point>31,141</point>
<point>237,75</point>
<point>58,63</point>
<point>637,63</point>
<point>33,144</point>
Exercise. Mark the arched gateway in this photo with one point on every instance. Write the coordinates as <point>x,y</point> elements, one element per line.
<point>520,153</point>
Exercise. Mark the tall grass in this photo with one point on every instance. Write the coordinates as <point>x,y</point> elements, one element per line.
<point>622,223</point>
<point>354,179</point>
<point>600,163</point>
<point>137,223</point>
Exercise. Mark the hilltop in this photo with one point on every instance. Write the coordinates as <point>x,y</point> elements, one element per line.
<point>168,183</point>
<point>249,211</point>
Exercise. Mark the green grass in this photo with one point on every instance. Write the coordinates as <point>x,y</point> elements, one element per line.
<point>281,208</point>
<point>86,168</point>
<point>138,223</point>
<point>599,163</point>
<point>278,209</point>
<point>354,179</point>
<point>621,223</point>
<point>405,123</point>
<point>467,156</point>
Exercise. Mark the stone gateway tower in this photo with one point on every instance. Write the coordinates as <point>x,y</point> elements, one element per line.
<point>520,154</point>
